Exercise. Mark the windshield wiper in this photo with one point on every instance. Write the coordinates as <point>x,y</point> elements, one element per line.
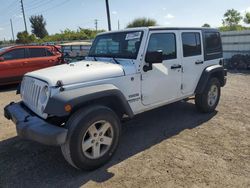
<point>116,61</point>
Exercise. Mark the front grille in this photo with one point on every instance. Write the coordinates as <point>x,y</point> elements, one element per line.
<point>30,91</point>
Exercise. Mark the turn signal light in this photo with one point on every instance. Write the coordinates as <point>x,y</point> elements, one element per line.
<point>67,108</point>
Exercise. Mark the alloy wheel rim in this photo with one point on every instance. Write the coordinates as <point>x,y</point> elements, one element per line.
<point>98,139</point>
<point>212,95</point>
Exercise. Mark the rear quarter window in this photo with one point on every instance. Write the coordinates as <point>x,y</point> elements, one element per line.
<point>37,52</point>
<point>212,46</point>
<point>213,42</point>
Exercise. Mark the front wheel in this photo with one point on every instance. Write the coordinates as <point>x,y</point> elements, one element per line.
<point>93,137</point>
<point>209,99</point>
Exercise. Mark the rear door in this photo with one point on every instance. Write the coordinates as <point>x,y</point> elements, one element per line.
<point>12,68</point>
<point>192,60</point>
<point>40,58</point>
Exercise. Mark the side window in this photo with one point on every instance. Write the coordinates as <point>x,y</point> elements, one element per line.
<point>191,44</point>
<point>165,42</point>
<point>213,42</point>
<point>14,54</point>
<point>37,52</point>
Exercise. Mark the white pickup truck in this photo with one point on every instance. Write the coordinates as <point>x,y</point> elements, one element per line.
<point>79,106</point>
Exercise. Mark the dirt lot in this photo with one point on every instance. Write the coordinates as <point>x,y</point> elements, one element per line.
<point>174,146</point>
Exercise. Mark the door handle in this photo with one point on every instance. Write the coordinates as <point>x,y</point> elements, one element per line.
<point>199,62</point>
<point>175,66</point>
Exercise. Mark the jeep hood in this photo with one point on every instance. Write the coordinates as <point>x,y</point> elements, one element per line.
<point>82,71</point>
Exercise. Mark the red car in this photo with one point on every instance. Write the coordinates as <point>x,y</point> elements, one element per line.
<point>15,61</point>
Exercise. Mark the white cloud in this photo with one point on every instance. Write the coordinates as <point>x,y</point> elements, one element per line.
<point>1,28</point>
<point>164,8</point>
<point>114,12</point>
<point>169,16</point>
<point>245,11</point>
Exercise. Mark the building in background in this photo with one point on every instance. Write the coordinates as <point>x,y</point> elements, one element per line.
<point>235,42</point>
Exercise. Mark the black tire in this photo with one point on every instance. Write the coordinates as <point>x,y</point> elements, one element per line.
<point>202,101</point>
<point>78,126</point>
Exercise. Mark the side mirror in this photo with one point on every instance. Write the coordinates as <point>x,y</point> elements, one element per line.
<point>1,59</point>
<point>154,57</point>
<point>151,58</point>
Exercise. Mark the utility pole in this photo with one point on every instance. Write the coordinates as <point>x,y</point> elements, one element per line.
<point>96,25</point>
<point>118,26</point>
<point>108,14</point>
<point>23,16</point>
<point>13,38</point>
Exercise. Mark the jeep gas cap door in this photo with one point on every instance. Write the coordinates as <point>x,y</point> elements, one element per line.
<point>162,82</point>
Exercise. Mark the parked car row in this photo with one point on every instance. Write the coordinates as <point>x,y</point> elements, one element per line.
<point>15,61</point>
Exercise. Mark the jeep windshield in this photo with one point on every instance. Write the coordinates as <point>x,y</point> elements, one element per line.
<point>117,45</point>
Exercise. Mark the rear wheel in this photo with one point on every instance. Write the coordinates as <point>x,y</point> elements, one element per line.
<point>93,137</point>
<point>209,99</point>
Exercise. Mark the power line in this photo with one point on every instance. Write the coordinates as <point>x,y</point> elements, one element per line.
<point>8,7</point>
<point>35,3</point>
<point>38,5</point>
<point>53,7</point>
<point>9,13</point>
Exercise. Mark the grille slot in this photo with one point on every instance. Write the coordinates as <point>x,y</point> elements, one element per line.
<point>31,89</point>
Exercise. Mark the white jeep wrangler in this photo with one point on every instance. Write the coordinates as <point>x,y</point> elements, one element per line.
<point>79,106</point>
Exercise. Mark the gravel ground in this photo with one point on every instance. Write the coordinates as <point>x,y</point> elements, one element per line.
<point>174,146</point>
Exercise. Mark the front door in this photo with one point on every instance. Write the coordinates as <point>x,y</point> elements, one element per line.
<point>163,83</point>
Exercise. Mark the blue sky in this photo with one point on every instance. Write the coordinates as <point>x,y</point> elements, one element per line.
<point>62,14</point>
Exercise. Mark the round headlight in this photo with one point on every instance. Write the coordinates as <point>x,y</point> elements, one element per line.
<point>44,95</point>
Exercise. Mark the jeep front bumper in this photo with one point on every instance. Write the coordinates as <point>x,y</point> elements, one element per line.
<point>31,127</point>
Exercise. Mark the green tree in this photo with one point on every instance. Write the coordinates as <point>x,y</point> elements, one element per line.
<point>233,28</point>
<point>206,25</point>
<point>70,35</point>
<point>142,22</point>
<point>38,26</point>
<point>25,38</point>
<point>232,18</point>
<point>247,18</point>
